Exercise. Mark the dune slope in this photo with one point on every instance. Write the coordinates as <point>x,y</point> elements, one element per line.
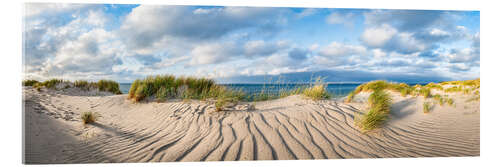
<point>282,129</point>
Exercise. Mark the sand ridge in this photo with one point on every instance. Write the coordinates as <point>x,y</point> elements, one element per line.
<point>282,129</point>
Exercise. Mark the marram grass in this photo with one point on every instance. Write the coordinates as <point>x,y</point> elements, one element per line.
<point>427,107</point>
<point>378,111</point>
<point>102,85</point>
<point>317,92</point>
<point>89,117</point>
<point>168,86</point>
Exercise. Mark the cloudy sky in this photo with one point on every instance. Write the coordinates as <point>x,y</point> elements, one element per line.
<point>125,42</point>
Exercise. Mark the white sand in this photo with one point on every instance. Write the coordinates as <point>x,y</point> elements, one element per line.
<point>288,128</point>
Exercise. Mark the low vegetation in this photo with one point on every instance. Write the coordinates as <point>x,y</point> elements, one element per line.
<point>477,98</point>
<point>109,86</point>
<point>163,87</point>
<point>427,107</point>
<point>52,83</point>
<point>89,117</point>
<point>466,87</point>
<point>316,92</point>
<point>379,100</point>
<point>378,112</point>
<point>102,85</point>
<point>30,82</point>
<point>168,86</point>
<point>450,101</point>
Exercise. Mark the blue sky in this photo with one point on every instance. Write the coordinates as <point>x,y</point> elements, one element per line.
<point>125,42</point>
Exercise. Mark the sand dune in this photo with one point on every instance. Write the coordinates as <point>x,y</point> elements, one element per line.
<point>282,129</point>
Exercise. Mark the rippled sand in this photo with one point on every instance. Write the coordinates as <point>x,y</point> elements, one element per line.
<point>282,129</point>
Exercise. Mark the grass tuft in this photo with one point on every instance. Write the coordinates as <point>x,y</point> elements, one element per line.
<point>450,101</point>
<point>427,107</point>
<point>317,92</point>
<point>89,117</point>
<point>109,86</point>
<point>379,108</point>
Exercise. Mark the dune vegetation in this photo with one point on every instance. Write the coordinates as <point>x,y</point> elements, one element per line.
<point>168,86</point>
<point>427,107</point>
<point>466,87</point>
<point>378,109</point>
<point>30,82</point>
<point>317,91</point>
<point>89,117</point>
<point>102,85</point>
<point>163,87</point>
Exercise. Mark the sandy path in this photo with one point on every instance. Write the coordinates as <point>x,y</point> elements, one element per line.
<point>288,128</point>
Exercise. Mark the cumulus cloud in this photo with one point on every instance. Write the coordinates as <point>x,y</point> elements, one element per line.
<point>90,54</point>
<point>340,54</point>
<point>340,18</point>
<point>213,53</point>
<point>378,36</point>
<point>340,49</point>
<point>146,25</point>
<point>261,48</point>
<point>76,46</point>
<point>409,20</point>
<point>462,55</point>
<point>87,41</point>
<point>411,31</point>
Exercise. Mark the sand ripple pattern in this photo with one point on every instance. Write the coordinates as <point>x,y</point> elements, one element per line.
<point>283,129</point>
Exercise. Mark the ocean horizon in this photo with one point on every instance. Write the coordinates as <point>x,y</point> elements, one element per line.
<point>339,89</point>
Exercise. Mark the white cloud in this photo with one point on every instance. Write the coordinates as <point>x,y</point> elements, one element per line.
<point>146,25</point>
<point>307,12</point>
<point>462,55</point>
<point>339,18</point>
<point>339,49</point>
<point>378,36</point>
<point>378,53</point>
<point>262,48</point>
<point>439,32</point>
<point>212,53</point>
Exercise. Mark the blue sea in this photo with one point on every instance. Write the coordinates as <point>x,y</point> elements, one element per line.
<point>337,89</point>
